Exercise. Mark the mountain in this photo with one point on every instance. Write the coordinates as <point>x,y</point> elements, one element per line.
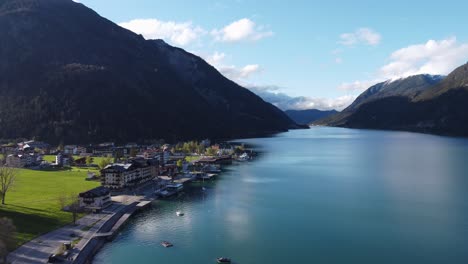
<point>409,87</point>
<point>439,109</point>
<point>70,75</point>
<point>308,116</point>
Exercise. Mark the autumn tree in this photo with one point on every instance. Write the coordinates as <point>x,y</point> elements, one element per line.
<point>7,180</point>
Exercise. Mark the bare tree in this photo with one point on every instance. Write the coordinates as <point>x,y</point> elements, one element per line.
<point>70,203</point>
<point>7,238</point>
<point>7,180</point>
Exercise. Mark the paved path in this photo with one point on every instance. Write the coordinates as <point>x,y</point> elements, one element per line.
<point>39,249</point>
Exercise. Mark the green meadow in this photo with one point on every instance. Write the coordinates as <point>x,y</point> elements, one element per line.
<point>33,202</point>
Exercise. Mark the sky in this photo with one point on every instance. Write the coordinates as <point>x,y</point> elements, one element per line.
<point>305,54</point>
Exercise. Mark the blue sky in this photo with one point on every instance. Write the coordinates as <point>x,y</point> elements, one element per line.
<point>309,54</point>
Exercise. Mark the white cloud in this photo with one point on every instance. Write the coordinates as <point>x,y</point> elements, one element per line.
<point>365,36</point>
<point>241,30</point>
<point>432,57</point>
<point>180,34</point>
<point>283,101</point>
<point>437,57</point>
<point>358,86</point>
<point>239,75</point>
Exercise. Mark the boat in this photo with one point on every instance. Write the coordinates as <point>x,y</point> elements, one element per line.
<point>166,244</point>
<point>223,260</point>
<point>243,157</point>
<point>179,213</point>
<point>211,168</point>
<point>171,190</point>
<point>202,176</point>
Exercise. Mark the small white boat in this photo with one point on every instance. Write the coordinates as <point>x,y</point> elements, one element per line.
<point>179,213</point>
<point>166,244</point>
<point>223,260</point>
<point>243,157</point>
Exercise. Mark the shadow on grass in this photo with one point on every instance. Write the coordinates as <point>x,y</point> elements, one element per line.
<point>30,225</point>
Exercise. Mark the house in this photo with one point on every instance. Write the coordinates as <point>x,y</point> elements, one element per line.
<point>8,148</point>
<point>163,157</point>
<point>34,145</point>
<point>133,173</point>
<point>95,199</point>
<point>16,161</point>
<point>73,150</point>
<point>23,160</point>
<point>81,161</point>
<point>69,149</point>
<point>104,150</point>
<point>63,160</point>
<point>206,143</point>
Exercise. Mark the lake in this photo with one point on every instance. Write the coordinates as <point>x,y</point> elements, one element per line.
<point>324,195</point>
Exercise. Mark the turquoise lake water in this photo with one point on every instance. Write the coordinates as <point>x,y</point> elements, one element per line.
<point>324,195</point>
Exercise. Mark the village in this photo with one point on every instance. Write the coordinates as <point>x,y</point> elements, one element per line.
<point>124,180</point>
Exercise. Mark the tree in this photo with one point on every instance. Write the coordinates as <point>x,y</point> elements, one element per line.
<point>89,160</point>
<point>7,238</point>
<point>133,152</point>
<point>7,180</point>
<point>70,203</point>
<point>210,152</point>
<point>180,163</point>
<point>104,162</point>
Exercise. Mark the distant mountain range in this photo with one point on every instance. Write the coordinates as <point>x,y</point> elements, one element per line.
<point>69,75</point>
<point>308,116</point>
<point>422,103</point>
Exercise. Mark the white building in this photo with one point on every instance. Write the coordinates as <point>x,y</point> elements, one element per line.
<point>95,199</point>
<point>123,175</point>
<point>23,160</point>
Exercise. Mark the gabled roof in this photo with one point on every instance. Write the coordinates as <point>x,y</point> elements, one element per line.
<point>119,167</point>
<point>96,192</point>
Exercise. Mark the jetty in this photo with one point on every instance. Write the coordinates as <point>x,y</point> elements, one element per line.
<point>109,230</point>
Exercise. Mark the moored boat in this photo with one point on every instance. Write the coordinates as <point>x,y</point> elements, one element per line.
<point>171,190</point>
<point>166,244</point>
<point>223,260</point>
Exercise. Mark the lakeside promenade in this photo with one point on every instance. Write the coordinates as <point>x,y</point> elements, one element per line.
<point>86,230</point>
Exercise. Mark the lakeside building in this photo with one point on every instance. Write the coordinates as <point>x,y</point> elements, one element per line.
<point>133,173</point>
<point>95,199</point>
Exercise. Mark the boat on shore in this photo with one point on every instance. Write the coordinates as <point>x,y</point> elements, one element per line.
<point>179,213</point>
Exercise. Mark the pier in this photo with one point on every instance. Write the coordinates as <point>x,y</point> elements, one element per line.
<point>109,230</point>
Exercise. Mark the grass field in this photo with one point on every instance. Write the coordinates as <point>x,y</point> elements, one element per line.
<point>51,158</point>
<point>33,203</point>
<point>192,158</point>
